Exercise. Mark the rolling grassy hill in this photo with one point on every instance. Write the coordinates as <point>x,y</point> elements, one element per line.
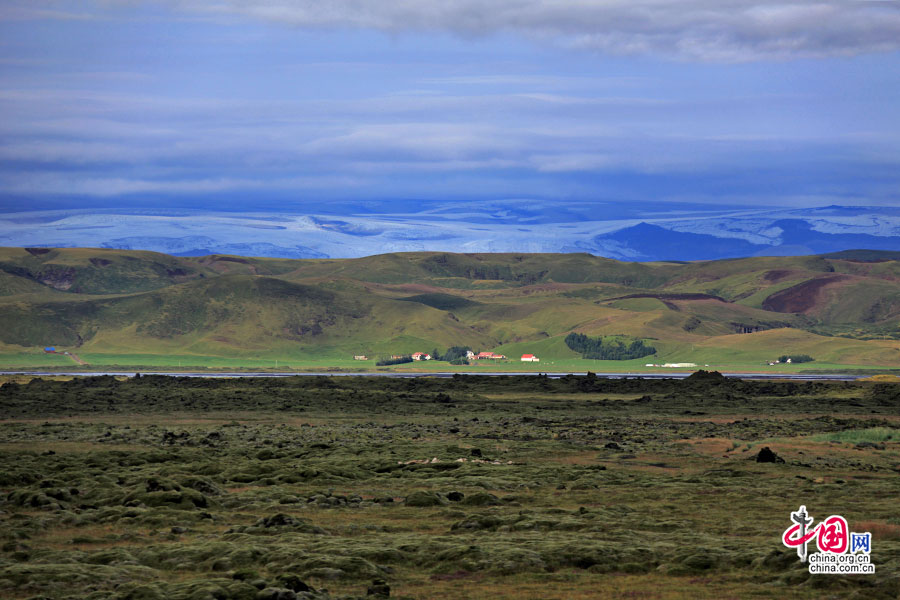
<point>144,308</point>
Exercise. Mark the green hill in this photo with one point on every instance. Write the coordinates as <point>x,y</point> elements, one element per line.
<point>96,271</point>
<point>130,306</point>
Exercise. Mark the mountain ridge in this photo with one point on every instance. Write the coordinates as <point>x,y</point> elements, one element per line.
<point>138,302</point>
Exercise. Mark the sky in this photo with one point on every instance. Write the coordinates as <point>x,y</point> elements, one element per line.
<point>250,104</point>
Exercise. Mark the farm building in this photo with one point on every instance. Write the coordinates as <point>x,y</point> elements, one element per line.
<point>421,356</point>
<point>530,358</point>
<point>490,355</point>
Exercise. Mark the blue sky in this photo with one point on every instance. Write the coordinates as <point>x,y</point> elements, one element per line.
<point>242,104</point>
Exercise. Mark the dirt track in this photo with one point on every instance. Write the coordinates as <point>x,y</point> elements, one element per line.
<point>76,358</point>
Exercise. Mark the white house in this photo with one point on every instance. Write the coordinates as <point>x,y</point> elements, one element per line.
<point>530,358</point>
<point>421,356</point>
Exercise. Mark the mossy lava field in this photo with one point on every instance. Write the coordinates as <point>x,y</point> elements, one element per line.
<point>160,487</point>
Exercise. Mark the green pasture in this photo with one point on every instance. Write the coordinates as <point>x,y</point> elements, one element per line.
<point>19,360</point>
<point>286,363</point>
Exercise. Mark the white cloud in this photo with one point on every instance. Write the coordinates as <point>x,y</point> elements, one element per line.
<point>560,163</point>
<point>54,183</point>
<point>710,30</point>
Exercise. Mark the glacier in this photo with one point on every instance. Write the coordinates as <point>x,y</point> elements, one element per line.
<point>603,229</point>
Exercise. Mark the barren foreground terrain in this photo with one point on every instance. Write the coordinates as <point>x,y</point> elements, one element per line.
<point>471,487</point>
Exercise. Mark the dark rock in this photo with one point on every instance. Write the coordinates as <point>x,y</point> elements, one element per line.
<point>422,499</point>
<point>455,496</point>
<point>379,589</point>
<point>481,499</point>
<point>478,523</point>
<point>275,594</point>
<point>612,446</point>
<point>872,445</point>
<point>767,456</point>
<point>702,376</point>
<point>279,520</point>
<point>775,559</point>
<point>245,575</point>
<point>699,562</point>
<point>202,485</point>
<point>475,451</point>
<point>294,583</point>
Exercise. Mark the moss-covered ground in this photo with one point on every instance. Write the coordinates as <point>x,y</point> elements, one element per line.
<point>469,487</point>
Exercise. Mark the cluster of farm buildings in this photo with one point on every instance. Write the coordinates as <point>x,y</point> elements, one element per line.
<point>469,356</point>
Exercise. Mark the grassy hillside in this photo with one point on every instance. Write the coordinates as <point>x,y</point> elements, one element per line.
<point>109,305</point>
<point>96,271</point>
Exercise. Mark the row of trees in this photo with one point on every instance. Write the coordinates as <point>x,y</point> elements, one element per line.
<point>595,348</point>
<point>455,355</point>
<point>384,362</point>
<point>590,348</point>
<point>795,358</point>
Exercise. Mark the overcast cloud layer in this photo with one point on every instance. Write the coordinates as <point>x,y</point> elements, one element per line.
<point>212,103</point>
<point>693,29</point>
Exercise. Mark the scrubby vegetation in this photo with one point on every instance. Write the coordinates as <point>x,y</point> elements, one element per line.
<point>597,349</point>
<point>475,487</point>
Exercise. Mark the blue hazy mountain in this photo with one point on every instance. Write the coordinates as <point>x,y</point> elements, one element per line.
<point>647,242</point>
<point>652,242</point>
<point>799,233</point>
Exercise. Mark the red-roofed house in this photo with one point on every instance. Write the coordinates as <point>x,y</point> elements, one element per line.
<point>530,358</point>
<point>481,355</point>
<point>421,356</point>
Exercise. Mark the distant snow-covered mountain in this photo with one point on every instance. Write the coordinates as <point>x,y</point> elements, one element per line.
<point>662,231</point>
